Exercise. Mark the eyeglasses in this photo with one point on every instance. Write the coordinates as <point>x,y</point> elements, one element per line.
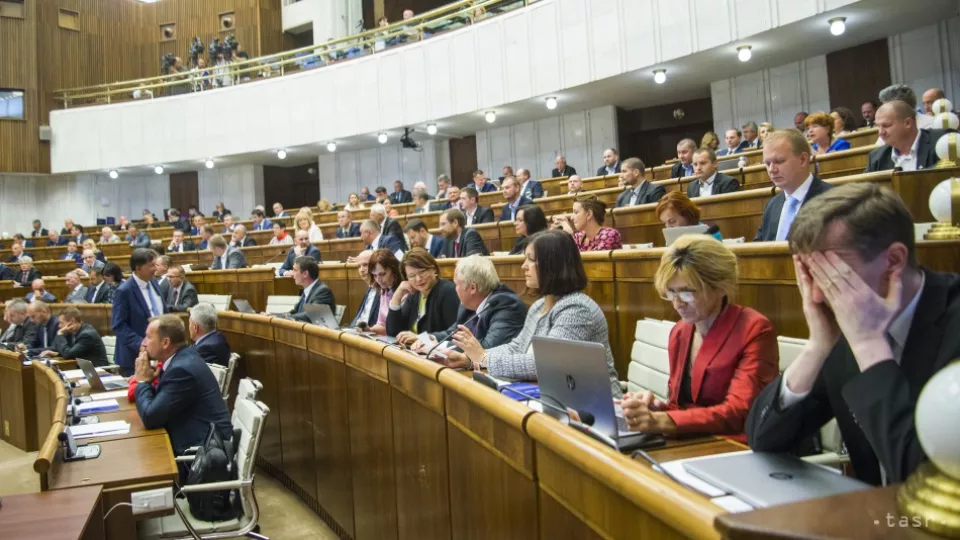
<point>418,275</point>
<point>684,296</point>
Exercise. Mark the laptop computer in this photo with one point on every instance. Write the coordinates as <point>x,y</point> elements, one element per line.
<point>320,314</point>
<point>573,374</point>
<point>90,373</point>
<point>764,479</point>
<point>243,306</point>
<point>672,233</point>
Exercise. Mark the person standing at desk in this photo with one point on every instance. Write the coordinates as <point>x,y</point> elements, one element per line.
<point>135,302</point>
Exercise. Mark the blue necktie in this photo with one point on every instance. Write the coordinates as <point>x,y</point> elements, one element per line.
<point>153,301</point>
<point>793,204</point>
<point>90,293</point>
<point>688,170</point>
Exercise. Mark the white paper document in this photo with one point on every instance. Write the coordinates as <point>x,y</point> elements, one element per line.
<point>104,379</point>
<point>115,394</point>
<point>101,429</point>
<point>78,373</point>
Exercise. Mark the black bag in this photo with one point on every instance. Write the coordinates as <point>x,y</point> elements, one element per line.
<point>214,462</point>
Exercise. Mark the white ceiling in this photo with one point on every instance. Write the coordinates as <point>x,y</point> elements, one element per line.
<point>688,77</point>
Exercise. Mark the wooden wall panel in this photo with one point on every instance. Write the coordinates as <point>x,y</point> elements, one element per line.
<point>18,69</point>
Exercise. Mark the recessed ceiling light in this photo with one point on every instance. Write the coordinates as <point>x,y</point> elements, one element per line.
<point>281,154</point>
<point>209,163</point>
<point>432,129</point>
<point>659,76</point>
<point>158,169</point>
<point>838,25</point>
<point>114,175</point>
<point>331,146</point>
<point>491,116</point>
<point>744,53</point>
<point>551,103</point>
<point>381,138</point>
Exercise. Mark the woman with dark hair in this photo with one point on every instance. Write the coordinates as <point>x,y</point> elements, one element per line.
<point>112,277</point>
<point>529,220</point>
<point>586,225</point>
<point>220,211</point>
<point>844,121</point>
<point>385,276</point>
<point>423,302</point>
<point>675,209</point>
<point>554,268</point>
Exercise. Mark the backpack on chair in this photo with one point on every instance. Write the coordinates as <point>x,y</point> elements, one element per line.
<point>214,462</point>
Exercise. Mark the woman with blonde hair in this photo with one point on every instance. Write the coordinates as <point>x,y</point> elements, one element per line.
<point>710,140</point>
<point>92,246</point>
<point>324,206</point>
<point>765,129</point>
<point>721,354</point>
<point>353,202</point>
<point>304,222</point>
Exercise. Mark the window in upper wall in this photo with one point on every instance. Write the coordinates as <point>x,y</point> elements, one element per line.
<point>12,8</point>
<point>11,104</point>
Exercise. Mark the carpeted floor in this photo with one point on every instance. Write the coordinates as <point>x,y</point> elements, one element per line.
<point>282,515</point>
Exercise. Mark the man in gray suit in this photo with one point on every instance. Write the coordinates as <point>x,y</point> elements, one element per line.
<point>181,294</point>
<point>90,261</point>
<point>225,257</point>
<point>78,291</point>
<point>137,238</point>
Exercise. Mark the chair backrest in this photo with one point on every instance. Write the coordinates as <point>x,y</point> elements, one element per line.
<point>249,417</point>
<point>339,313</point>
<point>187,268</point>
<point>281,304</point>
<point>649,360</point>
<point>220,373</point>
<point>247,389</point>
<point>220,301</point>
<point>789,350</point>
<point>110,342</point>
<point>228,379</point>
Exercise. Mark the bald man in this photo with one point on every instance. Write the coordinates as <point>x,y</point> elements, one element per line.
<point>929,97</point>
<point>905,145</point>
<point>239,238</point>
<point>39,293</point>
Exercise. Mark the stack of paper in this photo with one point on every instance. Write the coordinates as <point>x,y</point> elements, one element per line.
<point>78,373</point>
<point>104,405</point>
<point>115,394</point>
<point>104,379</point>
<point>101,429</point>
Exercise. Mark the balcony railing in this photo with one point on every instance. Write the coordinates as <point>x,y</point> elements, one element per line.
<point>444,19</point>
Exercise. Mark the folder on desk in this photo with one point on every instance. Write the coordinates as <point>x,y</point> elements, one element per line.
<point>91,407</point>
<point>101,429</point>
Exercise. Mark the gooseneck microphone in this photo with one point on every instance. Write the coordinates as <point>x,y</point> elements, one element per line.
<point>440,341</point>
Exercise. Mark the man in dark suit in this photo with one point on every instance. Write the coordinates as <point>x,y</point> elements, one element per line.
<point>47,326</point>
<point>735,143</point>
<point>788,153</point>
<point>239,238</point>
<point>39,293</point>
<point>135,301</point>
<point>511,192</point>
<point>905,145</point>
<point>179,244</point>
<point>27,274</point>
<point>77,339</point>
<point>54,238</point>
<point>684,167</point>
<point>306,273</point>
<point>461,241</point>
<point>225,257</point>
<point>369,307</point>
<point>6,273</point>
<point>163,264</point>
<point>197,226</point>
<point>137,238</point>
<point>78,235</point>
<point>301,248</point>
<point>611,163</point>
<point>278,211</point>
<point>187,398</point>
<point>177,221</point>
<point>470,205</point>
<point>443,182</point>
<point>388,225</point>
<point>180,295</point>
<point>452,200</point>
<point>373,240</point>
<point>421,188</point>
<point>347,228</point>
<point>72,254</point>
<point>206,233</point>
<point>77,290</point>
<point>420,237</point>
<point>21,329</point>
<point>260,221</point>
<point>562,168</point>
<point>400,195</point>
<point>16,252</point>
<point>365,194</point>
<point>67,229</point>
<point>531,189</point>
<point>38,230</point>
<point>481,183</point>
<point>706,180</point>
<point>99,292</point>
<point>210,344</point>
<point>868,109</point>
<point>881,326</point>
<point>636,188</point>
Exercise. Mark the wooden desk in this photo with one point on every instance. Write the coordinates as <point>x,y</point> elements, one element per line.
<point>74,514</point>
<point>18,413</point>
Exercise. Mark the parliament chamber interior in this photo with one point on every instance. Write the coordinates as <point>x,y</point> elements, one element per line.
<point>381,269</point>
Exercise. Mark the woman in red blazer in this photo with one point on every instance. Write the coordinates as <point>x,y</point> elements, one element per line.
<point>721,354</point>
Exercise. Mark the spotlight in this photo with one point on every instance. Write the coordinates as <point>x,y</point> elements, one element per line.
<point>114,175</point>
<point>551,103</point>
<point>281,154</point>
<point>432,129</point>
<point>332,146</point>
<point>744,53</point>
<point>659,76</point>
<point>158,169</point>
<point>491,116</point>
<point>209,163</point>
<point>838,25</point>
<point>382,138</point>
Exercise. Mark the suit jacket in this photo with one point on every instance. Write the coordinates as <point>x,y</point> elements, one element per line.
<point>214,349</point>
<point>602,171</point>
<point>391,227</point>
<point>726,151</point>
<point>437,244</point>
<point>487,188</point>
<point>129,320</point>
<point>187,245</point>
<point>7,273</point>
<point>400,197</point>
<point>505,213</point>
<point>677,171</point>
<point>567,171</point>
<point>86,344</point>
<point>533,190</point>
<point>50,331</point>
<point>164,285</point>
<point>188,298</point>
<point>721,184</point>
<point>78,296</point>
<point>26,278</point>
<point>246,242</point>
<point>440,206</point>
<point>373,296</point>
<point>312,252</point>
<point>235,260</point>
<point>186,401</point>
<point>320,294</point>
<point>75,257</point>
<point>482,215</point>
<point>16,260</point>
<point>501,319</point>
<point>38,234</point>
<point>103,296</point>
<point>265,225</point>
<point>439,314</point>
<point>47,297</point>
<point>874,408</point>
<point>141,241</point>
<point>470,244</point>
<point>25,333</point>
<point>389,242</point>
<point>352,232</point>
<point>881,159</point>
<point>649,193</point>
<point>738,357</point>
<point>61,241</point>
<point>771,212</point>
<point>202,246</point>
<point>80,238</point>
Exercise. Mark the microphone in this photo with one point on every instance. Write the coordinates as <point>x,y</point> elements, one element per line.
<point>440,341</point>
<point>714,229</point>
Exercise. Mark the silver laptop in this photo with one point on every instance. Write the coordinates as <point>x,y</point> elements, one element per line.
<point>320,314</point>
<point>243,306</point>
<point>90,373</point>
<point>672,233</point>
<point>573,374</point>
<point>763,479</point>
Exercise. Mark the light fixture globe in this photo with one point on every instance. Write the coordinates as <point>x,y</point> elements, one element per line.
<point>491,116</point>
<point>281,154</point>
<point>114,175</point>
<point>745,53</point>
<point>431,129</point>
<point>331,146</point>
<point>938,409</point>
<point>659,76</point>
<point>946,120</point>
<point>942,105</point>
<point>941,200</point>
<point>208,164</point>
<point>948,149</point>
<point>158,169</point>
<point>551,103</point>
<point>838,25</point>
<point>382,138</point>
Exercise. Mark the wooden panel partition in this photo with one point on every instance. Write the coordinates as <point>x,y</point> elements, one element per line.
<point>18,425</point>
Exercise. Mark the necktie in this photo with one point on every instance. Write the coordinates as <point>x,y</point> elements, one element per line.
<point>793,204</point>
<point>176,295</point>
<point>634,197</point>
<point>91,292</point>
<point>44,338</point>
<point>154,310</point>
<point>456,248</point>
<point>299,307</point>
<point>688,170</point>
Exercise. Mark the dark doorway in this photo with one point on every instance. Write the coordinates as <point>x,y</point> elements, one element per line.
<point>293,187</point>
<point>184,191</point>
<point>857,74</point>
<point>463,160</point>
<point>652,133</point>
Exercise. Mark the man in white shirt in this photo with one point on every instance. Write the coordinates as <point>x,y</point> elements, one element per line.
<point>906,146</point>
<point>708,180</point>
<point>880,328</point>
